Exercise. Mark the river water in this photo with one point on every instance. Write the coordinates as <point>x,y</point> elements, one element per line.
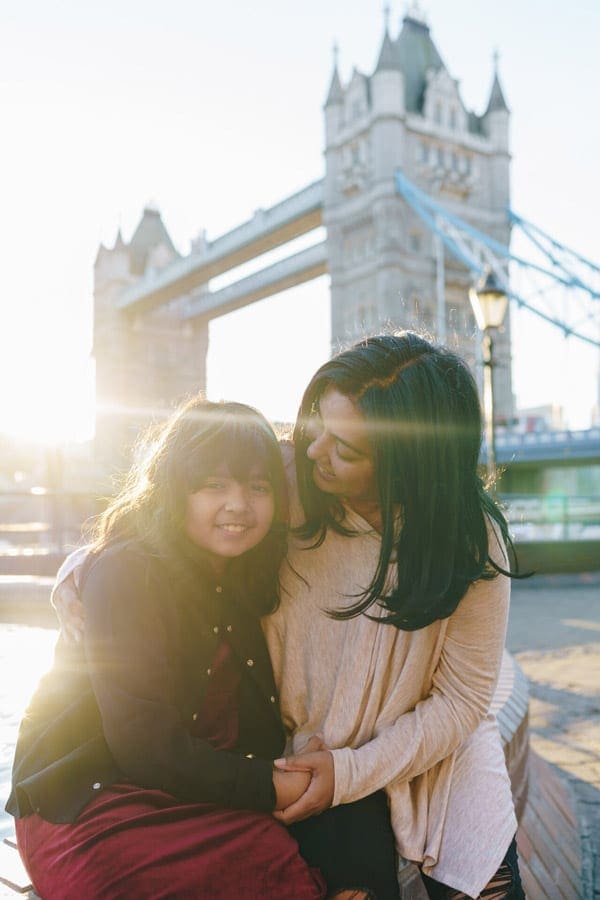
<point>25,654</point>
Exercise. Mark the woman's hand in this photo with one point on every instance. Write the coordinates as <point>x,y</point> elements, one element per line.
<point>69,609</point>
<point>319,793</point>
<point>289,787</point>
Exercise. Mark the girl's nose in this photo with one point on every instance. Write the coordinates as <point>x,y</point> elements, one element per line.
<point>237,498</point>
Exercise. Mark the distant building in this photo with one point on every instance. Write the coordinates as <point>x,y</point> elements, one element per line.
<point>547,417</point>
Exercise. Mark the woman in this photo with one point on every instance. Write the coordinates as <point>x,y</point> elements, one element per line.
<point>394,604</point>
<point>396,629</point>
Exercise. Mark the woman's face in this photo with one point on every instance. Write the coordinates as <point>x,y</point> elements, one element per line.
<point>340,450</point>
<point>227,517</point>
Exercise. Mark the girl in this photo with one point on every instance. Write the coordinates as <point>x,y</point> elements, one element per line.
<point>144,763</point>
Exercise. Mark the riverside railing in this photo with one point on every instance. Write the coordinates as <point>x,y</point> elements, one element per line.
<point>552,517</point>
<point>39,526</point>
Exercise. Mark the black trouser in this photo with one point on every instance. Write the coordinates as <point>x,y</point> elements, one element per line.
<point>504,885</point>
<point>353,845</point>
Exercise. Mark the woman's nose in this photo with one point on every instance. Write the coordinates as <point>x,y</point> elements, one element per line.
<point>317,447</point>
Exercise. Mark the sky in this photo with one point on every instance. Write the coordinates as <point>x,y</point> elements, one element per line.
<point>209,111</point>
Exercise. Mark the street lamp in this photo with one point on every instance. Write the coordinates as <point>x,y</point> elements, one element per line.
<point>489,301</point>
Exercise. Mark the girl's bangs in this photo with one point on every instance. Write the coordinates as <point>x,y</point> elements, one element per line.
<point>245,449</point>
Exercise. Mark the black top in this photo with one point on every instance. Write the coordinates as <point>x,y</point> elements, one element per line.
<point>124,705</point>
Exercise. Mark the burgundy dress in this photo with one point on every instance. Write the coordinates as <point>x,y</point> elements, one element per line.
<point>132,842</point>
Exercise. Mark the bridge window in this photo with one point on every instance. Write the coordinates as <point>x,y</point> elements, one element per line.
<point>424,148</point>
<point>454,160</point>
<point>437,114</point>
<point>440,156</point>
<point>415,241</point>
<point>453,118</point>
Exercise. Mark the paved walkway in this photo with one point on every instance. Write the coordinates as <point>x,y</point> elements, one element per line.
<point>554,633</point>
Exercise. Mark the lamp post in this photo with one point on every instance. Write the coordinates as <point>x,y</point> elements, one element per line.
<point>489,301</point>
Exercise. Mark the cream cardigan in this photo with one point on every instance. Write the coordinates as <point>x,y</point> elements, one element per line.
<point>407,711</point>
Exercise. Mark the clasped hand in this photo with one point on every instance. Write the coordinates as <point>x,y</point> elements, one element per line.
<point>313,769</point>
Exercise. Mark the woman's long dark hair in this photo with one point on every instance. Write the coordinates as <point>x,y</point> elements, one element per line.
<point>191,445</point>
<point>423,418</point>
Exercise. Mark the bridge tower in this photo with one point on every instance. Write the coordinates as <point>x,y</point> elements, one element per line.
<point>385,265</point>
<point>145,358</point>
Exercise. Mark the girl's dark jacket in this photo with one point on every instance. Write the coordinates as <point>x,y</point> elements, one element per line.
<point>121,706</point>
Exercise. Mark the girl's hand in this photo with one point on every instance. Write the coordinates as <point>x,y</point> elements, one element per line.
<point>318,795</point>
<point>69,609</point>
<point>289,787</point>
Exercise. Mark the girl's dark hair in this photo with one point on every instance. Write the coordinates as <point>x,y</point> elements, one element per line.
<point>198,438</point>
<point>423,418</point>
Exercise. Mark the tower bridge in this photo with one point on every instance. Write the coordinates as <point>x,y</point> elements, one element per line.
<point>296,215</point>
<point>411,176</point>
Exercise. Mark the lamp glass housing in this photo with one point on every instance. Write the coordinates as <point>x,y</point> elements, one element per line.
<point>489,302</point>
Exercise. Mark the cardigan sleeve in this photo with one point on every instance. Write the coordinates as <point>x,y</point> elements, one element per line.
<point>129,613</point>
<point>462,687</point>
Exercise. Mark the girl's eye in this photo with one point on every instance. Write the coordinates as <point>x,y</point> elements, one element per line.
<point>213,484</point>
<point>261,487</point>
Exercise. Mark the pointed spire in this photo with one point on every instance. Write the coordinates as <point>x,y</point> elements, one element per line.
<point>101,251</point>
<point>119,243</point>
<point>496,103</point>
<point>414,12</point>
<point>336,92</point>
<point>386,17</point>
<point>387,56</point>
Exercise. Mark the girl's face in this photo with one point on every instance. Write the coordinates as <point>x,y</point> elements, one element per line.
<point>340,450</point>
<point>227,517</point>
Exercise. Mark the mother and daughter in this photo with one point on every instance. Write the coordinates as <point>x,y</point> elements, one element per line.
<point>149,763</point>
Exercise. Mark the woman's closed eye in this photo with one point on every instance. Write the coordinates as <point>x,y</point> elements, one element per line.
<point>346,454</point>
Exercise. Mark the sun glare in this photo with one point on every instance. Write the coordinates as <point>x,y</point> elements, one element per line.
<point>51,402</point>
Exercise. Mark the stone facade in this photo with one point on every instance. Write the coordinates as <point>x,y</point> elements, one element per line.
<point>409,115</point>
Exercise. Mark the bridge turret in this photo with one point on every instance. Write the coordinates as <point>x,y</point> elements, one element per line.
<point>497,115</point>
<point>334,104</point>
<point>387,111</point>
<point>496,122</point>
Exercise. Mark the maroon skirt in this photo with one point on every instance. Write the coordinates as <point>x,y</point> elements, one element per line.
<point>131,844</point>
